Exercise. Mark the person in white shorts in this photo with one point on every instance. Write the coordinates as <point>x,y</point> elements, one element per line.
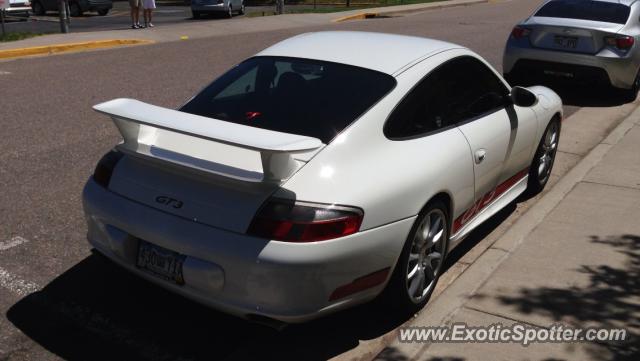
<point>148,6</point>
<point>135,13</point>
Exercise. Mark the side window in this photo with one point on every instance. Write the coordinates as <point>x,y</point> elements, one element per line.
<point>461,89</point>
<point>473,89</point>
<point>422,110</point>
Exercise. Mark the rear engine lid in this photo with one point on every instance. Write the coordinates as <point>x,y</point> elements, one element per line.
<point>200,168</point>
<point>218,201</point>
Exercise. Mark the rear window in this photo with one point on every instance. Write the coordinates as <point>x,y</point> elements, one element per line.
<point>586,10</point>
<point>292,95</point>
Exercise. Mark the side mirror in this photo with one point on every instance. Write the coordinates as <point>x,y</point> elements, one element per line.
<point>523,97</point>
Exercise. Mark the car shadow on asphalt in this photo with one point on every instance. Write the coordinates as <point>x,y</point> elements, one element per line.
<point>591,96</point>
<point>98,311</point>
<point>584,95</point>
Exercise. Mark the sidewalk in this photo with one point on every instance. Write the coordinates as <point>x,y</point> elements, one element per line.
<point>573,258</point>
<point>205,29</point>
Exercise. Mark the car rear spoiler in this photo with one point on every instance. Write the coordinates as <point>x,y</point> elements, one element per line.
<point>157,132</point>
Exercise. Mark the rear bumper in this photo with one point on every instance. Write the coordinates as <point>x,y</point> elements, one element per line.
<point>21,9</point>
<point>239,274</point>
<point>607,66</point>
<point>209,8</point>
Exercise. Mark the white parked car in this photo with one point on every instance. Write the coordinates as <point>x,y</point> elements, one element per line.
<point>318,173</point>
<point>219,7</point>
<point>18,7</point>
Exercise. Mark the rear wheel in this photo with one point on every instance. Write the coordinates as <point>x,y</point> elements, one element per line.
<point>38,9</point>
<point>75,10</point>
<point>540,170</point>
<point>632,94</point>
<point>421,261</point>
<point>103,12</point>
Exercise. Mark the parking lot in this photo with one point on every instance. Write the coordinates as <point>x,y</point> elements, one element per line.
<point>117,19</point>
<point>58,300</point>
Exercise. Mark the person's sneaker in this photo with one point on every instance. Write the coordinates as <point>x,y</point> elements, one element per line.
<point>150,25</point>
<point>135,26</point>
<point>140,26</point>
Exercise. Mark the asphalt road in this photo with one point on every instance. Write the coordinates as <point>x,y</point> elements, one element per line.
<point>58,300</point>
<point>119,18</point>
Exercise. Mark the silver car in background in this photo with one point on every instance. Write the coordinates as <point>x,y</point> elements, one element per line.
<point>223,7</point>
<point>582,41</point>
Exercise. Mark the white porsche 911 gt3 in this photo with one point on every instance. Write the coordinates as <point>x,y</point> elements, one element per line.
<point>318,173</point>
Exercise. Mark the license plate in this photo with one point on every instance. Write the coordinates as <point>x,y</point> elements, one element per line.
<point>161,262</point>
<point>566,42</point>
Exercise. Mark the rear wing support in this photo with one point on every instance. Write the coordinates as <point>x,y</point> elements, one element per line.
<point>157,132</point>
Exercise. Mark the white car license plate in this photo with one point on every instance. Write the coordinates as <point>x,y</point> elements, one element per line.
<point>566,42</point>
<point>161,262</point>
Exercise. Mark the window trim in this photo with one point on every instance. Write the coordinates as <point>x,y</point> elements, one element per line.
<point>449,127</point>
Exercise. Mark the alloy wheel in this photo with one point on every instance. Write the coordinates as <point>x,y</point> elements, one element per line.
<point>548,152</point>
<point>426,255</point>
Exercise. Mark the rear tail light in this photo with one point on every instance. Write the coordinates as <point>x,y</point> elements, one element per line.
<point>519,32</point>
<point>104,169</point>
<point>620,42</point>
<point>292,221</point>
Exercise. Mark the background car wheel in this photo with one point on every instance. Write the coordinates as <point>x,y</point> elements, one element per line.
<point>540,170</point>
<point>631,94</point>
<point>38,9</point>
<point>196,14</point>
<point>103,12</point>
<point>74,10</point>
<point>421,261</point>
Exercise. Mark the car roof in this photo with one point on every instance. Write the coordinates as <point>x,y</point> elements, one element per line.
<point>387,53</point>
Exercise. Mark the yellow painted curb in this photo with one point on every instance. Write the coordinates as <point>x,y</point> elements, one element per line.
<point>356,17</point>
<point>70,47</point>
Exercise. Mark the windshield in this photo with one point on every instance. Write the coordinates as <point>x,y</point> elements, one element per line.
<point>586,10</point>
<point>292,95</point>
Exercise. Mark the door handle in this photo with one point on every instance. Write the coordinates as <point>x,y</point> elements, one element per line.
<point>481,154</point>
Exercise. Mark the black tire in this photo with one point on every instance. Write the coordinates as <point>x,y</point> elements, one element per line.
<point>75,10</point>
<point>396,294</point>
<point>103,12</point>
<point>514,79</point>
<point>538,181</point>
<point>196,14</point>
<point>38,9</point>
<point>631,94</point>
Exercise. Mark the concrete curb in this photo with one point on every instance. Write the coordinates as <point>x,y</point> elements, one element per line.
<point>406,9</point>
<point>367,15</point>
<point>453,298</point>
<point>70,47</point>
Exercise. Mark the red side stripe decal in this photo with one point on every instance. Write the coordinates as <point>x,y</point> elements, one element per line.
<point>481,203</point>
